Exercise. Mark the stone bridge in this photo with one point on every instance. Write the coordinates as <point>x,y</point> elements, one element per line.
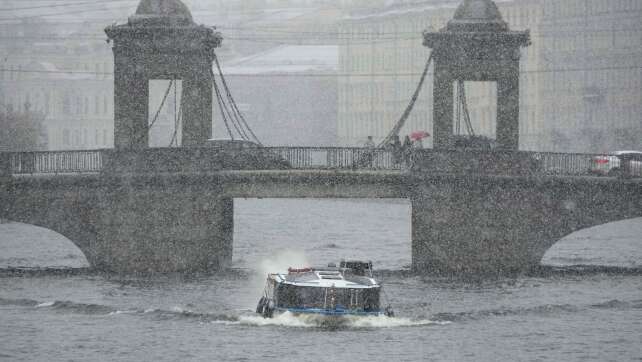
<point>463,221</point>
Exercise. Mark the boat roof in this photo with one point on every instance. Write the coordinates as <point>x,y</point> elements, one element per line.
<point>326,277</point>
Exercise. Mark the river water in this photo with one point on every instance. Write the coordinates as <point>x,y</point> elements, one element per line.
<point>85,316</point>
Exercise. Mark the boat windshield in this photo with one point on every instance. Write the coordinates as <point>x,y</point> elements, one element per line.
<point>291,296</point>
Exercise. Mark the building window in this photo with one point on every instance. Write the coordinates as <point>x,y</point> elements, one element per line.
<point>47,103</point>
<point>78,105</point>
<point>66,104</point>
<point>65,137</point>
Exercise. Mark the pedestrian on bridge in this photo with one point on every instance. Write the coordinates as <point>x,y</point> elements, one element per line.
<point>406,150</point>
<point>369,154</point>
<point>396,149</point>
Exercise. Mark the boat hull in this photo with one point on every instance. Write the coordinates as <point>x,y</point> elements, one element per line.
<point>329,312</point>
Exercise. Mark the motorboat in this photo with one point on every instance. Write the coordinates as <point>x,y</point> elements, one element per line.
<point>347,290</point>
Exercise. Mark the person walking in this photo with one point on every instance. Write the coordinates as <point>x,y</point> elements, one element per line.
<point>406,150</point>
<point>397,152</point>
<point>369,154</point>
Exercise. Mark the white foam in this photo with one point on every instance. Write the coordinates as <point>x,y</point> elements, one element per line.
<point>122,312</point>
<point>389,322</point>
<point>45,304</point>
<point>288,319</point>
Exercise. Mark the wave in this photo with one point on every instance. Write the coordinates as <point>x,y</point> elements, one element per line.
<point>19,302</point>
<point>618,304</point>
<point>287,319</point>
<point>546,309</point>
<point>245,317</point>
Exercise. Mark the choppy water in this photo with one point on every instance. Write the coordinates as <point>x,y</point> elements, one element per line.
<point>86,317</point>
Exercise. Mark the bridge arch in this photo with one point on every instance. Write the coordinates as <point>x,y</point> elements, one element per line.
<point>321,230</point>
<point>615,243</point>
<point>28,245</point>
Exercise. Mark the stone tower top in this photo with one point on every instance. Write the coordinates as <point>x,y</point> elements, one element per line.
<point>161,13</point>
<point>477,16</point>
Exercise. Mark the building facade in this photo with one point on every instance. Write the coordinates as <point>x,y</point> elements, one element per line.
<point>592,68</point>
<point>288,95</point>
<point>67,78</point>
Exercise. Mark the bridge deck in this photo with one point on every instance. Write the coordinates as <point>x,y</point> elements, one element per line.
<point>332,159</point>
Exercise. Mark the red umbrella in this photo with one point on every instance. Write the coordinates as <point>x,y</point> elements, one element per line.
<point>419,135</point>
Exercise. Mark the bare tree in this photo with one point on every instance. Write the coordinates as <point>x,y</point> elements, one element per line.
<point>21,131</point>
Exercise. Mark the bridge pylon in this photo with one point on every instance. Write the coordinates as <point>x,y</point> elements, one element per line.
<point>161,41</point>
<point>477,45</point>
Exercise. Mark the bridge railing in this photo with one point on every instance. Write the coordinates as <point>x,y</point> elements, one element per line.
<point>338,158</point>
<point>569,164</point>
<point>55,162</point>
<point>523,163</point>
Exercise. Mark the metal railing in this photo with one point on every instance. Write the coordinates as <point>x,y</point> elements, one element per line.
<point>56,162</point>
<point>565,163</point>
<point>350,158</point>
<point>345,158</point>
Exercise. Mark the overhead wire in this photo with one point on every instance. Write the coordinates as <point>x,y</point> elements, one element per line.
<point>335,74</point>
<point>58,5</point>
<point>70,12</point>
<point>366,38</point>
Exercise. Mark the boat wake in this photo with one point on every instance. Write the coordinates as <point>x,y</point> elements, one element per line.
<point>288,319</point>
<point>247,317</point>
<point>240,317</point>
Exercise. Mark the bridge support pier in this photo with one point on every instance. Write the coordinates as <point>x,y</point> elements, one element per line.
<point>467,226</point>
<point>488,225</point>
<point>165,228</point>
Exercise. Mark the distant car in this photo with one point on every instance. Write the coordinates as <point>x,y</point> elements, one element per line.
<point>248,155</point>
<point>618,164</point>
<point>231,144</point>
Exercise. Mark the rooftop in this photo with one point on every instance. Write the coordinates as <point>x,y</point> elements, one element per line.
<point>161,12</point>
<point>288,59</point>
<point>477,15</point>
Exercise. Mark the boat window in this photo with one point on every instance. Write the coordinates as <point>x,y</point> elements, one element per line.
<point>301,277</point>
<point>290,296</point>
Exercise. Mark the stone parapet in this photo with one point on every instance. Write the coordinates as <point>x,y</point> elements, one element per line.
<point>189,160</point>
<point>457,162</point>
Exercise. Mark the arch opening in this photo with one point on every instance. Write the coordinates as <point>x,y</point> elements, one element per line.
<point>31,246</point>
<point>614,244</point>
<point>319,231</point>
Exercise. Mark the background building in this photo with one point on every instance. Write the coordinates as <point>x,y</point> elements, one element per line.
<point>66,77</point>
<point>592,68</point>
<point>287,94</point>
